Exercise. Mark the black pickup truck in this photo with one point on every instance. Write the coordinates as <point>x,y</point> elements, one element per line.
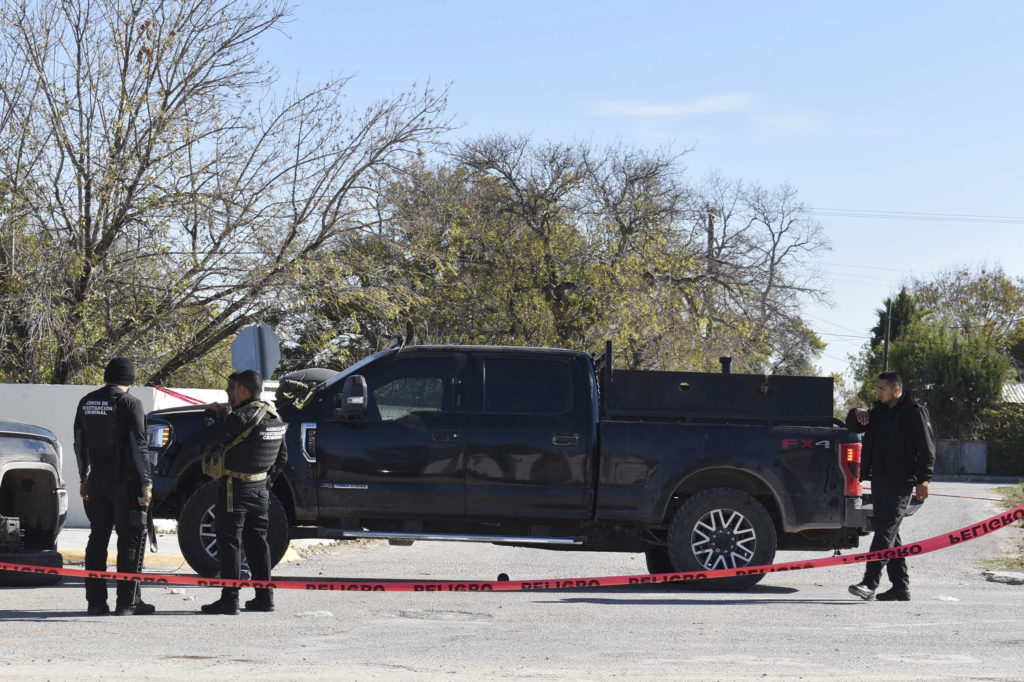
<point>543,448</point>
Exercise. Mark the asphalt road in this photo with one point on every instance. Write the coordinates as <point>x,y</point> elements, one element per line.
<point>795,626</point>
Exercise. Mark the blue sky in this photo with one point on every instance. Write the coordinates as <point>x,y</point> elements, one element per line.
<point>911,107</point>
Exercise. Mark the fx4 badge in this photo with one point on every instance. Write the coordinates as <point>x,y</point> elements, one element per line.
<point>802,444</point>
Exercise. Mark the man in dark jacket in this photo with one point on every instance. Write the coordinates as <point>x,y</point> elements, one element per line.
<point>113,466</point>
<point>247,451</point>
<point>899,459</point>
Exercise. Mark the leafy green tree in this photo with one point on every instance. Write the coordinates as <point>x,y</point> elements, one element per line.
<point>984,301</point>
<point>1003,430</point>
<point>958,376</point>
<point>898,313</point>
<point>511,242</point>
<point>895,315</point>
<point>978,302</point>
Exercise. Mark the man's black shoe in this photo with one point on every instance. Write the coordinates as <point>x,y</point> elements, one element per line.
<point>863,591</point>
<point>258,604</point>
<point>98,609</point>
<point>139,608</point>
<point>895,594</point>
<point>222,607</point>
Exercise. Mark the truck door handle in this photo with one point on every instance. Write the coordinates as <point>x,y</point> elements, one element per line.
<point>565,439</point>
<point>444,435</point>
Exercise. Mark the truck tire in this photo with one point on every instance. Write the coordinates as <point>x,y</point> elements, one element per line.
<point>721,528</point>
<point>45,557</point>
<point>197,535</point>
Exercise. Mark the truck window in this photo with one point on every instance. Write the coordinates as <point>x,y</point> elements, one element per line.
<point>527,385</point>
<point>398,398</point>
<point>409,385</point>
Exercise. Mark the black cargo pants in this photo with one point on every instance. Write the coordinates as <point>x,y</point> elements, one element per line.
<point>109,508</point>
<point>245,526</point>
<point>890,504</point>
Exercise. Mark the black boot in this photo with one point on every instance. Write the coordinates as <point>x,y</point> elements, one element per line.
<point>264,601</point>
<point>227,605</point>
<point>895,594</point>
<point>139,608</point>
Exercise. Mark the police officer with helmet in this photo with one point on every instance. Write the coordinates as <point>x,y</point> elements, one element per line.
<point>116,486</point>
<point>245,451</point>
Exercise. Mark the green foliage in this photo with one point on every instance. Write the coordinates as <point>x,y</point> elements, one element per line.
<point>1015,348</point>
<point>1003,430</point>
<point>514,243</point>
<point>904,311</point>
<point>869,364</point>
<point>984,302</point>
<point>957,376</point>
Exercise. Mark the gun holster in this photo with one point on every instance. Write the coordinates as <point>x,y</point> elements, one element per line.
<point>138,518</point>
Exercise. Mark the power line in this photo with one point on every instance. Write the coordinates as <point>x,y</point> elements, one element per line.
<point>838,335</point>
<point>834,264</point>
<point>830,323</point>
<point>918,216</point>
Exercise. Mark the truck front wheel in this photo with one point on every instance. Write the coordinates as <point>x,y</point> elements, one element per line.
<point>197,535</point>
<point>721,528</point>
<point>47,558</point>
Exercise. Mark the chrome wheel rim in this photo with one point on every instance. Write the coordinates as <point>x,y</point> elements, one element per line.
<point>208,537</point>
<point>208,532</point>
<point>723,538</point>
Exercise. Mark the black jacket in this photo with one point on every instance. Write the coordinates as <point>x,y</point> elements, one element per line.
<point>900,452</point>
<point>110,436</point>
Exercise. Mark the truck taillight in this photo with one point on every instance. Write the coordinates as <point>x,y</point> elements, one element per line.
<point>849,464</point>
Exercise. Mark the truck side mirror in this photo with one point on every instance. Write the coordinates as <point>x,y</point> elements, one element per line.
<point>351,402</point>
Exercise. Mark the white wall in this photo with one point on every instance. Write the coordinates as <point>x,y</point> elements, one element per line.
<point>53,407</point>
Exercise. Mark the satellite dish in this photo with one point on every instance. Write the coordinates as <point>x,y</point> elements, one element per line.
<point>256,347</point>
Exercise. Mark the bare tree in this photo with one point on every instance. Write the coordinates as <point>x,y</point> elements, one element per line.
<point>173,192</point>
<point>758,270</point>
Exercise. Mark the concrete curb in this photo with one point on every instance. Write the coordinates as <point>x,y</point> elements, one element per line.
<point>75,557</point>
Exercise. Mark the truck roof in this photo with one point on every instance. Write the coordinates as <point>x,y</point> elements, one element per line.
<point>459,348</point>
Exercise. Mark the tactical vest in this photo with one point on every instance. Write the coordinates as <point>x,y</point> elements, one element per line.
<point>98,412</point>
<point>256,453</point>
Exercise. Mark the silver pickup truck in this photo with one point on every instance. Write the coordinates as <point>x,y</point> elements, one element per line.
<point>33,502</point>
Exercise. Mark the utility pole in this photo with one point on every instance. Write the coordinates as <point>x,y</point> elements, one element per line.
<point>711,270</point>
<point>885,348</point>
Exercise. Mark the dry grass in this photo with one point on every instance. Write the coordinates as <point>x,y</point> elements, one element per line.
<point>1013,496</point>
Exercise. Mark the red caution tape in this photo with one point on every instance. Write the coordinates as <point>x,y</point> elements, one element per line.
<point>936,543</point>
<point>180,396</point>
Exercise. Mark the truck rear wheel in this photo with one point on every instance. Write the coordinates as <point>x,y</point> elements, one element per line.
<point>197,534</point>
<point>721,528</point>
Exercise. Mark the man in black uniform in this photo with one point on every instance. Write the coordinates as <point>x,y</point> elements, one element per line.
<point>898,459</point>
<point>113,466</point>
<point>249,439</point>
